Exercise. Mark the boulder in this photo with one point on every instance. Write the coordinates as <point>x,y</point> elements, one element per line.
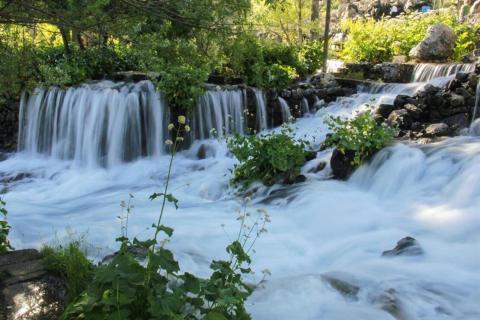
<point>341,164</point>
<point>437,130</point>
<point>407,246</point>
<point>393,72</point>
<point>384,110</point>
<point>414,111</point>
<point>400,119</point>
<point>438,45</point>
<point>28,290</point>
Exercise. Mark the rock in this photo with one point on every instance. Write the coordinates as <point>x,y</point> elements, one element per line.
<point>438,45</point>
<point>310,155</point>
<point>341,164</point>
<point>400,118</point>
<point>456,100</point>
<point>321,165</point>
<point>458,121</point>
<point>407,246</point>
<point>393,72</point>
<point>384,110</point>
<point>29,291</point>
<point>462,77</point>
<point>414,111</point>
<point>400,101</point>
<point>437,129</point>
<point>344,287</point>
<point>389,302</point>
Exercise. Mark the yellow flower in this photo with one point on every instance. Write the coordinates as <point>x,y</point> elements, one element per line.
<point>187,128</point>
<point>171,126</point>
<point>179,139</point>
<point>182,119</point>
<point>168,142</point>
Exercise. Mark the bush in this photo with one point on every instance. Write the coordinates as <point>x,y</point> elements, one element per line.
<point>4,229</point>
<point>275,76</point>
<point>378,41</point>
<point>362,135</point>
<point>72,264</point>
<point>267,158</point>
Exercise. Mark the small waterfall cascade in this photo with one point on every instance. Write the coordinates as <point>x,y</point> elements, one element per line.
<point>427,71</point>
<point>219,113</point>
<point>262,119</point>
<point>285,109</point>
<point>95,124</point>
<point>305,106</point>
<point>477,102</point>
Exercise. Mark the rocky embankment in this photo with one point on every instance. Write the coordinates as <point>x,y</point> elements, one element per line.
<point>433,112</point>
<point>8,125</point>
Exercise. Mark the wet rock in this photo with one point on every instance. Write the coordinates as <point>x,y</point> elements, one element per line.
<point>407,246</point>
<point>310,155</point>
<point>457,121</point>
<point>29,291</point>
<point>341,164</point>
<point>400,118</point>
<point>384,110</point>
<point>321,165</point>
<point>437,130</point>
<point>400,101</point>
<point>438,45</point>
<point>393,72</point>
<point>414,111</point>
<point>456,100</point>
<point>389,302</point>
<point>461,76</point>
<point>344,287</point>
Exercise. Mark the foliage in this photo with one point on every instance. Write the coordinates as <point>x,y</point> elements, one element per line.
<point>71,263</point>
<point>4,229</point>
<point>363,135</point>
<point>378,41</point>
<point>182,84</point>
<point>268,157</point>
<point>143,280</point>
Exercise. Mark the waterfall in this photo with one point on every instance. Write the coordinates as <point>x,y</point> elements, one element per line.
<point>477,101</point>
<point>94,124</point>
<point>285,109</point>
<point>262,123</point>
<point>305,107</point>
<point>219,113</point>
<point>427,71</point>
<point>107,123</point>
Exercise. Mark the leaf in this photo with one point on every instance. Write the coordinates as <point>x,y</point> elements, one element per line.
<point>168,231</point>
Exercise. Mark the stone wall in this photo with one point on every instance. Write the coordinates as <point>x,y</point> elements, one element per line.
<point>8,125</point>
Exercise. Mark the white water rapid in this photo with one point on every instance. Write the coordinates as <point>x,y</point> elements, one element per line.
<point>319,227</point>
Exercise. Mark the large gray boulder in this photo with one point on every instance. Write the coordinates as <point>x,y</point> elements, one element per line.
<point>438,45</point>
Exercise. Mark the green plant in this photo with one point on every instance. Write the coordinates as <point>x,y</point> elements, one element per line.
<point>71,263</point>
<point>378,41</point>
<point>182,84</point>
<point>143,280</point>
<point>267,158</point>
<point>4,229</point>
<point>362,135</point>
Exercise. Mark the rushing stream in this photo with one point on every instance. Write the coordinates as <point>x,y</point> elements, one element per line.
<point>75,175</point>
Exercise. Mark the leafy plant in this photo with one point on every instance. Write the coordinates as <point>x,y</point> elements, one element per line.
<point>378,41</point>
<point>267,158</point>
<point>362,135</point>
<point>71,263</point>
<point>4,229</point>
<point>143,280</point>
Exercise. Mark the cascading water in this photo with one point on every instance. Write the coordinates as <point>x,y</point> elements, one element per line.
<point>262,120</point>
<point>477,102</point>
<point>321,229</point>
<point>285,110</point>
<point>305,107</point>
<point>219,113</point>
<point>427,71</point>
<point>101,123</point>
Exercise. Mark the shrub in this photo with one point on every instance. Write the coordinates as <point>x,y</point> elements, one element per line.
<point>4,229</point>
<point>71,263</point>
<point>275,76</point>
<point>362,135</point>
<point>378,41</point>
<point>267,158</point>
<point>182,84</point>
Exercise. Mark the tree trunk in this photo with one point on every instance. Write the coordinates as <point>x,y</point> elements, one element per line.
<point>327,35</point>
<point>314,16</point>
<point>299,22</point>
<point>66,45</point>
